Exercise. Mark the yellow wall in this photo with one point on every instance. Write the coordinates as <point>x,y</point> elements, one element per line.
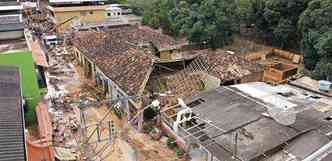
<point>168,54</point>
<point>84,16</point>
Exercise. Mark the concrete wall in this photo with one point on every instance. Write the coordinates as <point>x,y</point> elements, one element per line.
<point>254,77</point>
<point>11,35</point>
<point>169,55</point>
<point>279,75</point>
<point>87,16</point>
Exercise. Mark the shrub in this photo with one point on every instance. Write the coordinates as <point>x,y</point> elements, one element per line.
<point>179,152</point>
<point>171,143</point>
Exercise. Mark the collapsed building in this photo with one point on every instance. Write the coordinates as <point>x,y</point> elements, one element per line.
<point>279,65</point>
<point>253,122</point>
<point>127,61</point>
<point>119,61</point>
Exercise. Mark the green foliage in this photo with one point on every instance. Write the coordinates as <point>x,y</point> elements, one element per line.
<point>323,70</point>
<point>316,26</point>
<point>206,21</point>
<point>243,10</point>
<point>324,45</point>
<point>29,82</point>
<point>277,20</point>
<point>171,143</point>
<point>43,91</point>
<point>179,152</point>
<point>211,21</point>
<point>156,13</point>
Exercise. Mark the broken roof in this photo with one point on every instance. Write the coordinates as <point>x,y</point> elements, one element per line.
<point>12,142</point>
<point>226,66</point>
<point>129,70</point>
<point>243,111</point>
<point>143,35</point>
<point>119,53</point>
<point>128,67</point>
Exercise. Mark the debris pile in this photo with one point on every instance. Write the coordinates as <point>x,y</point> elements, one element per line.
<point>39,23</point>
<point>63,106</point>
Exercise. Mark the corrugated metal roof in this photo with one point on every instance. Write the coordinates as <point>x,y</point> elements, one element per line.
<point>12,142</point>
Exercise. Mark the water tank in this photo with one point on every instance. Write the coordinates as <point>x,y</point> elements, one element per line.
<point>325,85</point>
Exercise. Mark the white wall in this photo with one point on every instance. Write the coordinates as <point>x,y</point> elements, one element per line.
<point>11,35</point>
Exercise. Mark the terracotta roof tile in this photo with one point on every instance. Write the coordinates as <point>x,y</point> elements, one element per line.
<point>120,61</point>
<point>227,66</point>
<point>129,70</point>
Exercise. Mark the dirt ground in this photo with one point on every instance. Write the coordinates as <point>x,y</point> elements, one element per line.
<point>130,145</point>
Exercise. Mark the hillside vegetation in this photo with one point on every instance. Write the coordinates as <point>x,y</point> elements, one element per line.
<point>304,25</point>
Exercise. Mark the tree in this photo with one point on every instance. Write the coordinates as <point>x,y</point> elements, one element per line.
<point>323,70</point>
<point>156,13</point>
<point>276,20</point>
<point>206,21</point>
<point>210,21</point>
<point>244,7</point>
<point>316,26</point>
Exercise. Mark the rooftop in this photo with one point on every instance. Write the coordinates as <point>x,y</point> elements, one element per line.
<point>226,66</point>
<point>111,50</point>
<point>128,67</point>
<point>124,37</point>
<point>310,84</point>
<point>9,3</point>
<point>11,118</point>
<point>77,8</point>
<point>246,110</point>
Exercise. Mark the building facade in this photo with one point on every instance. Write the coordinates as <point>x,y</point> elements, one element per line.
<point>69,16</point>
<point>84,14</point>
<point>11,20</point>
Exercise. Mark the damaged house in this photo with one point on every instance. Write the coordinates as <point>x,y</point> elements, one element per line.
<point>129,61</point>
<point>120,61</point>
<point>209,70</point>
<point>253,122</point>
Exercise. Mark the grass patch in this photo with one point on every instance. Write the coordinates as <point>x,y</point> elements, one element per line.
<point>30,89</point>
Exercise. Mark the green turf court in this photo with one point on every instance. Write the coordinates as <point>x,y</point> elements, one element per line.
<point>30,89</point>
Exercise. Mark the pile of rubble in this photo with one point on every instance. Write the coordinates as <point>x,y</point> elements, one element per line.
<point>40,23</point>
<point>66,122</point>
<point>63,106</point>
<point>60,73</point>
